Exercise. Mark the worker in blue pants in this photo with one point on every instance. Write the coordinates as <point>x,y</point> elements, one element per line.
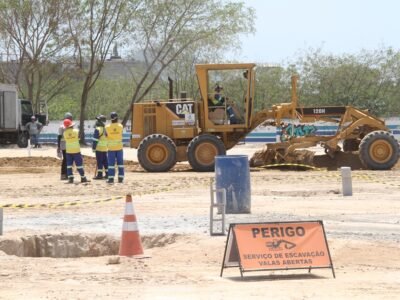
<point>73,151</point>
<point>99,146</point>
<point>114,133</point>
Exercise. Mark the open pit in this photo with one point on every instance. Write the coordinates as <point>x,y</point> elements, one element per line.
<point>73,245</point>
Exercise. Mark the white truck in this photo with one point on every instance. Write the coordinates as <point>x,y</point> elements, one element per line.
<point>14,114</point>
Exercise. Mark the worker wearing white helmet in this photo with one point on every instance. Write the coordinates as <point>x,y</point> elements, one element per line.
<point>34,127</point>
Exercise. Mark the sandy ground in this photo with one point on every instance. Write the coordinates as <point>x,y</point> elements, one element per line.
<point>183,260</point>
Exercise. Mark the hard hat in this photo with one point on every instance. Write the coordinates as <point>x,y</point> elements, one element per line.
<point>114,116</point>
<point>33,118</point>
<point>68,115</point>
<point>101,118</point>
<point>218,88</point>
<point>68,123</point>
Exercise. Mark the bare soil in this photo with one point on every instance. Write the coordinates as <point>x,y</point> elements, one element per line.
<point>76,229</point>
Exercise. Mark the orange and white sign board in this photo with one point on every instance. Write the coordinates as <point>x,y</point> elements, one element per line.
<point>275,246</point>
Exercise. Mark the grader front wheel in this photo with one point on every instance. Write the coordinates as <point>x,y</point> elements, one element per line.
<point>379,150</point>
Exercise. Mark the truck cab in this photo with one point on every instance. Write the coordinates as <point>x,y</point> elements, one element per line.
<point>15,113</point>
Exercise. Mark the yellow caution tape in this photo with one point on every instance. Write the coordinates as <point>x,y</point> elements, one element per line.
<point>60,204</point>
<point>88,202</point>
<point>290,165</point>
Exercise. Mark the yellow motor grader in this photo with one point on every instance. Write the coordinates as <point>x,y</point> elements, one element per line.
<point>168,131</point>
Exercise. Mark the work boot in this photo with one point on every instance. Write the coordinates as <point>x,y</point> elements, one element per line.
<point>84,179</point>
<point>110,180</point>
<point>120,180</point>
<point>71,180</point>
<point>97,177</point>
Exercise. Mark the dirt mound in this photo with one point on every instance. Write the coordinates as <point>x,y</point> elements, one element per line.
<point>38,164</point>
<point>29,162</point>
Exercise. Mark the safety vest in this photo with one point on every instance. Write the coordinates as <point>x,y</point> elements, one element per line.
<point>114,136</point>
<point>102,142</point>
<point>71,137</point>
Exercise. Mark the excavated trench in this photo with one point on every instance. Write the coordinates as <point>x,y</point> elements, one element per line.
<point>72,246</point>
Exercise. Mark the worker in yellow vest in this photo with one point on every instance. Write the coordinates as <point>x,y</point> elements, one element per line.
<point>73,151</point>
<point>114,133</point>
<point>99,146</point>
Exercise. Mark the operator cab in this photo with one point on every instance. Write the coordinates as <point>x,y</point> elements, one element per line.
<point>227,93</point>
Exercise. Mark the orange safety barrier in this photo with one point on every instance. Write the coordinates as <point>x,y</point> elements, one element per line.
<point>277,246</point>
<point>131,243</point>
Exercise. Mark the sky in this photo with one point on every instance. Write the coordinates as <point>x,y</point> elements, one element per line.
<point>286,28</point>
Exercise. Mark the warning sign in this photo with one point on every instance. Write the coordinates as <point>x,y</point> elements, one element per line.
<point>276,246</point>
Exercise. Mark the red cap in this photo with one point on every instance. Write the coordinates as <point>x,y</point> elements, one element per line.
<point>68,123</point>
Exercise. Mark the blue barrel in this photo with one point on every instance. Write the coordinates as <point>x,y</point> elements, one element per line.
<point>232,173</point>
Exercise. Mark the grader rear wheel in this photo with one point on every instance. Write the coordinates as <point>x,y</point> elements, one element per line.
<point>157,153</point>
<point>379,150</point>
<point>202,150</point>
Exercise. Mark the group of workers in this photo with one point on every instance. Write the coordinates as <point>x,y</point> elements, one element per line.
<point>107,144</point>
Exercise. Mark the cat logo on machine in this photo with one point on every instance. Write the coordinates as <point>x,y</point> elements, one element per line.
<point>185,108</point>
<point>181,109</point>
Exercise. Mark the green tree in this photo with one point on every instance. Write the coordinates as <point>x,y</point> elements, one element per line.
<point>163,30</point>
<point>95,25</point>
<point>34,42</point>
<point>368,80</point>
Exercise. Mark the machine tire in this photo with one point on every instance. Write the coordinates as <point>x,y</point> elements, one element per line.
<point>22,139</point>
<point>202,150</point>
<point>379,150</point>
<point>350,145</point>
<point>157,153</point>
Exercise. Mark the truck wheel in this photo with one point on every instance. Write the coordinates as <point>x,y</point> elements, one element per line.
<point>379,150</point>
<point>22,140</point>
<point>350,145</point>
<point>157,153</point>
<point>202,150</point>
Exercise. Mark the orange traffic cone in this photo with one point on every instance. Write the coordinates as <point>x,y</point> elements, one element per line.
<point>130,241</point>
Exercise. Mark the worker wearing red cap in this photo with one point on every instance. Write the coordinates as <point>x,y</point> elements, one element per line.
<point>73,151</point>
<point>61,153</point>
